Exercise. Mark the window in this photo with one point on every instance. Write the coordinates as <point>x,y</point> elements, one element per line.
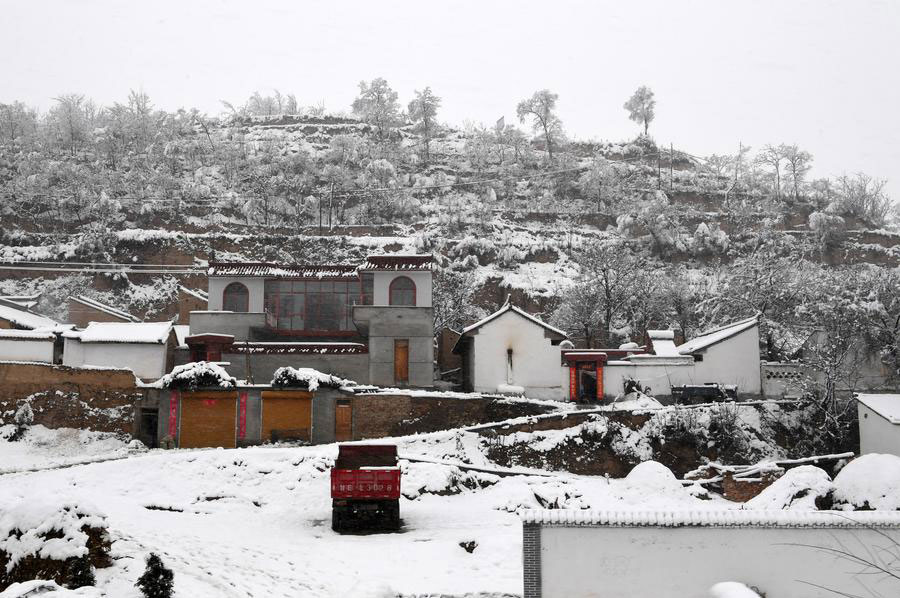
<point>403,291</point>
<point>236,297</point>
<point>312,305</point>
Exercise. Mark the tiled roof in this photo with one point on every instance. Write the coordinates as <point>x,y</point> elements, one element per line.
<point>703,518</point>
<point>300,348</point>
<point>334,271</point>
<point>268,270</point>
<point>397,262</point>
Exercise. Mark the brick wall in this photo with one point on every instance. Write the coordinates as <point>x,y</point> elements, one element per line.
<point>378,416</point>
<point>531,560</point>
<point>65,397</point>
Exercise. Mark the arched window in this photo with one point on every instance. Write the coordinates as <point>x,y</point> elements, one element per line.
<point>403,291</point>
<point>236,297</point>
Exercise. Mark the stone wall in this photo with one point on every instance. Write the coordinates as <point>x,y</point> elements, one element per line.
<point>382,415</point>
<point>65,397</point>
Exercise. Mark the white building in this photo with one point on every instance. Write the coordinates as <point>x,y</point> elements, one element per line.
<point>146,348</point>
<point>512,351</point>
<point>879,423</point>
<point>27,345</point>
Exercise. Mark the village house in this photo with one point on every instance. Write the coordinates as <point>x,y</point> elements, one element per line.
<point>513,352</point>
<point>27,336</point>
<point>879,423</point>
<point>368,322</point>
<point>146,348</point>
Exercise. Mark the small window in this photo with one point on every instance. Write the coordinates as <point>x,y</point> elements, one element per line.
<point>236,297</point>
<point>403,291</point>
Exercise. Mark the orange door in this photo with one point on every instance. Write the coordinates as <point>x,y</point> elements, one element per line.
<point>208,419</point>
<point>286,415</point>
<point>343,422</point>
<point>401,361</point>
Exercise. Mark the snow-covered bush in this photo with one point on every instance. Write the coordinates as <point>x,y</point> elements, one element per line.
<point>197,374</point>
<point>60,541</point>
<point>731,589</point>
<point>23,419</point>
<point>869,482</point>
<point>307,379</point>
<point>798,488</point>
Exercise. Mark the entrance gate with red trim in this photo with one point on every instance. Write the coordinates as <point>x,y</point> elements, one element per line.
<point>574,359</point>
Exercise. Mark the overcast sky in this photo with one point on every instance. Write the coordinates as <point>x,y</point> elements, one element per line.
<point>822,74</point>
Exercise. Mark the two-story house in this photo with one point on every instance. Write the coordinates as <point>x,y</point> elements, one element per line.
<point>370,322</point>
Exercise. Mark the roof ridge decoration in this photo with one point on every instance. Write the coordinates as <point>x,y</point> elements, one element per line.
<point>391,262</point>
<point>712,518</point>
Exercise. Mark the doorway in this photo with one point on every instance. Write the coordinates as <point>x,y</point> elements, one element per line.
<point>401,361</point>
<point>343,421</point>
<point>149,426</point>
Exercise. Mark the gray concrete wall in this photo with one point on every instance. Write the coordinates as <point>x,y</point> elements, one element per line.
<point>385,324</point>
<point>226,322</point>
<point>253,433</point>
<point>323,414</point>
<point>262,367</point>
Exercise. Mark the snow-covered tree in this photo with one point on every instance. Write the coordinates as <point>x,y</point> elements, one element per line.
<point>641,107</point>
<point>377,105</point>
<point>540,109</point>
<point>423,112</point>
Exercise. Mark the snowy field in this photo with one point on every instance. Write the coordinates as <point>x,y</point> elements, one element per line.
<point>256,522</point>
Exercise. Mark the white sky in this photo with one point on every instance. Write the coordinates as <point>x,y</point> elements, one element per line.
<point>822,74</point>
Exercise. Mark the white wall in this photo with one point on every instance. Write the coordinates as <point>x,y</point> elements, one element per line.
<point>26,350</point>
<point>655,375</point>
<point>381,281</point>
<point>876,434</point>
<point>255,285</point>
<point>144,359</point>
<point>536,363</point>
<point>732,361</point>
<point>684,562</point>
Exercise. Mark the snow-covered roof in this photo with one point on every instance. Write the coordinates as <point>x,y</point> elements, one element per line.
<point>27,335</point>
<point>298,348</point>
<point>198,293</point>
<point>885,405</point>
<point>25,319</point>
<point>703,518</point>
<point>508,306</point>
<point>717,335</point>
<point>182,331</point>
<point>123,332</point>
<point>102,307</point>
<point>26,301</point>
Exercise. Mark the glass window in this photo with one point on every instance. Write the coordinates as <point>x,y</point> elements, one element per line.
<point>403,291</point>
<point>236,298</point>
<point>368,288</point>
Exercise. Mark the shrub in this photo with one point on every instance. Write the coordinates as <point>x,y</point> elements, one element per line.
<point>157,580</point>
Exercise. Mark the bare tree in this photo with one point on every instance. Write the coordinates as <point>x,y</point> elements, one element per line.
<point>772,156</point>
<point>641,107</point>
<point>539,108</point>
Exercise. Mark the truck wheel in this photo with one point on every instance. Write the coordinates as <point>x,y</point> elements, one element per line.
<point>337,521</point>
<point>394,516</point>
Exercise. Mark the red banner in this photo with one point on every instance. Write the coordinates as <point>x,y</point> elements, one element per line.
<point>573,383</point>
<point>599,381</point>
<point>173,413</point>
<point>242,415</point>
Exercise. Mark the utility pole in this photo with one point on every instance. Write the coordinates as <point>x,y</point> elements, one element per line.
<point>658,169</point>
<point>330,204</point>
<point>671,166</point>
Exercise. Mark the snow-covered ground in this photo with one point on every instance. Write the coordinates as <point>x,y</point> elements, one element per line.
<point>256,522</point>
<point>41,448</point>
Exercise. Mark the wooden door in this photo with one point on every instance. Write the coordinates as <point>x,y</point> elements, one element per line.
<point>208,419</point>
<point>401,361</point>
<point>286,415</point>
<point>343,422</point>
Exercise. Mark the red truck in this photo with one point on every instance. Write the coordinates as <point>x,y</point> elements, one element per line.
<point>365,488</point>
